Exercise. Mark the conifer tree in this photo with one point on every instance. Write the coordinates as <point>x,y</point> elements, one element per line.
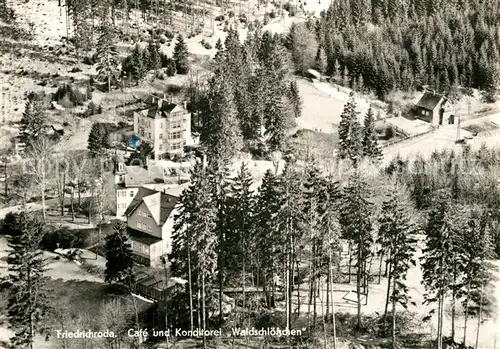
<point>270,241</point>
<point>107,59</point>
<point>180,55</point>
<point>119,256</point>
<point>34,119</point>
<point>138,63</point>
<point>194,242</point>
<point>437,262</point>
<point>395,236</point>
<point>95,140</point>
<point>241,226</point>
<point>476,265</point>
<point>28,300</point>
<point>320,61</point>
<point>276,122</point>
<point>350,132</point>
<point>295,99</point>
<point>355,221</point>
<point>370,138</point>
<point>221,129</point>
<point>154,56</point>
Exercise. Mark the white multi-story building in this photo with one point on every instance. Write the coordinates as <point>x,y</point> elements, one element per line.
<point>166,126</point>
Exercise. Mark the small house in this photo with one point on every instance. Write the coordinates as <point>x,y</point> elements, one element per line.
<point>435,108</point>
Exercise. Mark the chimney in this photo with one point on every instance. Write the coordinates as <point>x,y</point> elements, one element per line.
<point>185,105</point>
<point>160,102</point>
<point>164,95</point>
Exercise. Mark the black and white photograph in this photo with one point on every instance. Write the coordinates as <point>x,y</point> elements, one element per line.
<point>249,174</point>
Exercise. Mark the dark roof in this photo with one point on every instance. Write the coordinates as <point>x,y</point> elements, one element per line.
<point>166,107</point>
<point>430,100</point>
<point>142,193</point>
<point>145,238</point>
<point>167,204</point>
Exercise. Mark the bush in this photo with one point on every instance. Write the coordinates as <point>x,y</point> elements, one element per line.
<point>171,69</point>
<point>389,132</point>
<point>230,14</point>
<point>169,34</point>
<point>266,18</point>
<point>220,18</point>
<point>68,95</point>
<point>89,60</point>
<point>290,8</point>
<point>206,44</point>
<point>75,70</point>
<point>62,238</point>
<point>163,39</point>
<point>92,109</point>
<point>272,14</point>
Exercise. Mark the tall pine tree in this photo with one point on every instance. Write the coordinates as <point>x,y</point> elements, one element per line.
<point>107,59</point>
<point>28,302</point>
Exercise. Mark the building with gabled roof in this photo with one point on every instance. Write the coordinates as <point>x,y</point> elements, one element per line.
<point>166,126</point>
<point>435,108</point>
<point>150,221</point>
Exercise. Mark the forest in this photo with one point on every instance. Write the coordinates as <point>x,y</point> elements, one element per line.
<point>404,44</point>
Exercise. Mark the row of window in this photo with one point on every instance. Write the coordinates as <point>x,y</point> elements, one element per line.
<point>123,193</point>
<point>144,214</point>
<point>173,146</point>
<point>144,226</point>
<point>139,247</point>
<point>172,135</point>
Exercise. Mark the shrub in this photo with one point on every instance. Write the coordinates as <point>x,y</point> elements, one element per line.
<point>62,238</point>
<point>266,18</point>
<point>389,132</point>
<point>220,18</point>
<point>290,8</point>
<point>163,39</point>
<point>169,34</point>
<point>206,44</point>
<point>75,70</point>
<point>68,95</point>
<point>272,14</point>
<point>171,69</point>
<point>230,14</point>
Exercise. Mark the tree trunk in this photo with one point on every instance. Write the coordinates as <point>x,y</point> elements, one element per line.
<point>466,314</point>
<point>333,310</point>
<point>440,323</point>
<point>5,171</point>
<point>190,286</point>
<point>42,193</point>
<point>203,304</point>
<point>389,278</point>
<point>479,316</point>
<point>380,267</point>
<point>350,262</point>
<point>298,290</point>
<point>358,288</point>
<point>393,332</point>
<point>72,204</point>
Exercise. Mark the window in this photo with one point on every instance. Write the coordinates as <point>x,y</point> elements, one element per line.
<point>120,167</point>
<point>175,135</point>
<point>160,146</point>
<point>160,136</point>
<point>176,146</point>
<point>176,124</point>
<point>131,193</point>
